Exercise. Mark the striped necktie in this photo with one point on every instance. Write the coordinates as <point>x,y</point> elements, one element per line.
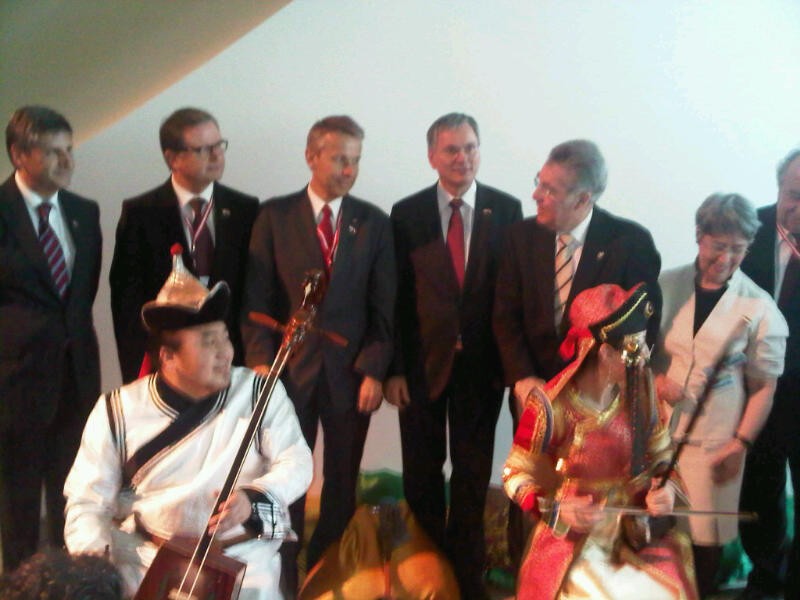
<point>52,249</point>
<point>565,270</point>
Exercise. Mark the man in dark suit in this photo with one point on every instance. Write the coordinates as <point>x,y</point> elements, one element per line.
<point>446,369</point>
<point>210,221</point>
<point>587,246</point>
<point>50,255</point>
<point>323,227</point>
<point>774,263</point>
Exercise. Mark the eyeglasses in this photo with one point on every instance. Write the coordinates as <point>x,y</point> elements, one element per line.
<point>468,149</point>
<point>718,248</point>
<point>205,151</point>
<point>547,190</point>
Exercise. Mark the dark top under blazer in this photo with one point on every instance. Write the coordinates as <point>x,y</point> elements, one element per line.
<point>358,305</point>
<point>759,265</point>
<point>42,338</point>
<point>431,311</point>
<point>148,227</point>
<point>615,251</point>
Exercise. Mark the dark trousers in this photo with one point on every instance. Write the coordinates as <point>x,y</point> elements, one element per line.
<point>29,459</point>
<point>469,407</point>
<point>776,560</point>
<point>344,435</point>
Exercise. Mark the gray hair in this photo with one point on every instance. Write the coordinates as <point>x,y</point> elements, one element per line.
<point>451,121</point>
<point>727,214</point>
<point>29,122</point>
<point>334,124</point>
<point>585,160</point>
<point>784,164</point>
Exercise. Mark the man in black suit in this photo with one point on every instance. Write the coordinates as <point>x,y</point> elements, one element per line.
<point>589,245</point>
<point>446,369</point>
<point>774,263</point>
<point>50,255</point>
<point>323,227</point>
<point>210,221</point>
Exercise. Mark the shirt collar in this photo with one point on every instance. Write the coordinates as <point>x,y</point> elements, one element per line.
<point>444,197</point>
<point>32,199</point>
<point>184,195</point>
<point>578,232</point>
<point>317,203</point>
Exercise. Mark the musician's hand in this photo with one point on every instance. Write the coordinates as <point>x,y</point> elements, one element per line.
<point>728,461</point>
<point>234,511</point>
<point>262,370</point>
<point>370,395</point>
<point>660,501</point>
<point>580,513</point>
<point>523,387</point>
<point>668,390</point>
<point>396,391</point>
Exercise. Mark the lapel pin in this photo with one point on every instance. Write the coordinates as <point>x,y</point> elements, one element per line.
<point>226,212</point>
<point>352,229</point>
<point>486,212</point>
<point>600,255</point>
<point>74,223</point>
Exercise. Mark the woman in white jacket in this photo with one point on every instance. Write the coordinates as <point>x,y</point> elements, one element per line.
<point>719,325</point>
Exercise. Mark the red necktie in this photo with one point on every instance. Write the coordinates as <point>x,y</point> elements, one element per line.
<point>325,234</point>
<point>203,245</point>
<point>455,240</point>
<point>52,249</point>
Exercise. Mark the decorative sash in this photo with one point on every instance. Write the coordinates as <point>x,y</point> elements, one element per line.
<point>186,422</point>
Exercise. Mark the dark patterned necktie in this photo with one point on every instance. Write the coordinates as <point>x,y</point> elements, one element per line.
<point>203,245</point>
<point>52,249</point>
<point>455,240</point>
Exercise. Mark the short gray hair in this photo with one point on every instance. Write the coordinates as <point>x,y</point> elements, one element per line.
<point>784,164</point>
<point>451,121</point>
<point>585,160</point>
<point>727,214</point>
<point>334,124</point>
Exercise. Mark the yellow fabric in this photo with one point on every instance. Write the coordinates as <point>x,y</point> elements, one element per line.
<point>353,568</point>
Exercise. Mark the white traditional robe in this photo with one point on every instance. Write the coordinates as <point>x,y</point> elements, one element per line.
<point>173,493</point>
<point>752,349</point>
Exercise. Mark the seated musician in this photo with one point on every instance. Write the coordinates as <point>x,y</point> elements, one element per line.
<point>591,441</point>
<point>156,452</point>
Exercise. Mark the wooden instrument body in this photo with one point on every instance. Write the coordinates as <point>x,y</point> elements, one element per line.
<point>220,578</point>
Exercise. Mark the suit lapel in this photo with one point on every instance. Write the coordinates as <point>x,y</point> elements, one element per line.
<point>169,212</point>
<point>482,223</point>
<point>223,215</point>
<point>759,264</point>
<point>301,219</point>
<point>76,223</point>
<point>593,255</point>
<point>350,220</point>
<point>542,254</point>
<point>21,227</point>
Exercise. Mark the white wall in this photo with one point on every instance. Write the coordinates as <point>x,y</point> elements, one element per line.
<point>684,98</point>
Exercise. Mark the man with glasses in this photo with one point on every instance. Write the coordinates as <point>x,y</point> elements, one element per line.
<point>210,221</point>
<point>50,255</point>
<point>570,245</point>
<point>446,376</point>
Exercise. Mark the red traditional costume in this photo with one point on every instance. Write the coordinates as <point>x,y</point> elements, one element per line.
<point>566,446</point>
